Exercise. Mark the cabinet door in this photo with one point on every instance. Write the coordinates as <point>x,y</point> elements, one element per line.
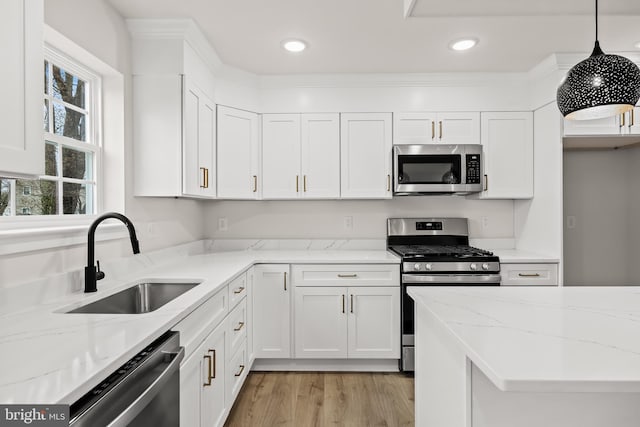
<point>414,128</point>
<point>281,156</point>
<point>320,150</point>
<point>272,311</point>
<point>365,143</point>
<point>238,154</point>
<point>507,143</point>
<point>374,322</point>
<point>320,322</point>
<point>458,128</point>
<point>605,126</point>
<point>22,91</point>
<point>198,143</point>
<point>190,387</point>
<point>212,399</point>
<point>633,121</point>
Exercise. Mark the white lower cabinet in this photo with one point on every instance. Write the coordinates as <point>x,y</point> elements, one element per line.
<point>529,274</point>
<point>202,383</point>
<point>353,322</point>
<point>272,311</point>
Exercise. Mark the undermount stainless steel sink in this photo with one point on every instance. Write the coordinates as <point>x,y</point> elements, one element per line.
<point>140,298</point>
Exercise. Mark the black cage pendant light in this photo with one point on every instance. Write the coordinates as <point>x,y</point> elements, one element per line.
<point>600,86</point>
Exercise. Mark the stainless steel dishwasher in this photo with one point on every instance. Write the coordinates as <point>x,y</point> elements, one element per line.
<point>145,391</point>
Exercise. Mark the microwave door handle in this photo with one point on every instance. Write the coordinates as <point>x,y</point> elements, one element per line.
<point>147,396</point>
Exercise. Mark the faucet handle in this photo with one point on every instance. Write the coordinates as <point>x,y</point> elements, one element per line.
<point>99,274</point>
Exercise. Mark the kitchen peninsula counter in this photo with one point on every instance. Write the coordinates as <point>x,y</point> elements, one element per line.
<point>500,356</point>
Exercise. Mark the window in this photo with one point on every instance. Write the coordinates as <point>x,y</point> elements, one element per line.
<point>72,146</point>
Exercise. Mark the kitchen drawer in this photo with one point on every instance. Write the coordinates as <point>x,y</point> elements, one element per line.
<point>236,328</point>
<point>237,290</point>
<point>529,274</point>
<point>236,372</point>
<point>195,327</point>
<point>346,275</point>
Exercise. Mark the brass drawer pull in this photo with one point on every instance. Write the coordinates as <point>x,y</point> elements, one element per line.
<point>255,183</point>
<point>529,274</point>
<point>440,127</point>
<point>388,182</point>
<point>486,182</point>
<point>622,120</point>
<point>239,290</point>
<point>348,276</point>
<point>213,364</point>
<point>297,184</point>
<point>208,383</point>
<point>304,183</point>
<point>240,371</point>
<point>433,130</point>
<point>240,326</point>
<point>632,118</point>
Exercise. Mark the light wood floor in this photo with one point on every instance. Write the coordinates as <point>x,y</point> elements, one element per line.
<point>304,399</point>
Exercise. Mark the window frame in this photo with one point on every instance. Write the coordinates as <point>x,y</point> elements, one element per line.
<point>94,144</point>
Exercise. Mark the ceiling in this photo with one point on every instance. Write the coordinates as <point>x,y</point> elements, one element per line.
<point>372,36</point>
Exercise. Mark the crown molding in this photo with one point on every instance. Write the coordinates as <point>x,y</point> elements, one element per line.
<point>172,29</point>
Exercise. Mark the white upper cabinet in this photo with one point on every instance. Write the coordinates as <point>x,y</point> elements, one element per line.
<point>320,161</point>
<point>281,156</point>
<point>436,128</point>
<point>606,126</point>
<point>300,156</point>
<point>174,114</point>
<point>365,145</point>
<point>507,145</point>
<point>238,154</point>
<point>634,121</point>
<point>21,44</point>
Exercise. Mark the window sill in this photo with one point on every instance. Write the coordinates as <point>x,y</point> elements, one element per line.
<point>29,237</point>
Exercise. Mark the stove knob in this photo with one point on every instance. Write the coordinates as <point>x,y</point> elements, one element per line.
<point>416,266</point>
<point>485,266</point>
<point>473,267</point>
<point>428,267</point>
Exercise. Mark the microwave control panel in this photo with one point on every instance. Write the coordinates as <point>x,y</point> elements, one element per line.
<point>473,168</point>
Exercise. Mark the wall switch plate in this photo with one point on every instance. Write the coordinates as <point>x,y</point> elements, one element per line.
<point>348,223</point>
<point>485,222</point>
<point>223,224</point>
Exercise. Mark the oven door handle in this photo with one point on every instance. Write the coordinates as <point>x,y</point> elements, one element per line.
<point>433,279</point>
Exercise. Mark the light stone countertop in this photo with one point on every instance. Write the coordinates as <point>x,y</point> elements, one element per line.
<point>49,356</point>
<point>573,339</point>
<point>516,256</point>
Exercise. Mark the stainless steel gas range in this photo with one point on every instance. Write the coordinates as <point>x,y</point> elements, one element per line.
<point>435,252</point>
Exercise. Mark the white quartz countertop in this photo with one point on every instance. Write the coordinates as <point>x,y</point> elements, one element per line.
<point>516,256</point>
<point>49,356</point>
<point>573,339</point>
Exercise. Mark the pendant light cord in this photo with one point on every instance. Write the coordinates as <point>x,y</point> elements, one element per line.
<point>596,47</point>
<point>596,20</point>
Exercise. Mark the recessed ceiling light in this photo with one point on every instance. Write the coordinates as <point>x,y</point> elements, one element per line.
<point>294,45</point>
<point>463,44</point>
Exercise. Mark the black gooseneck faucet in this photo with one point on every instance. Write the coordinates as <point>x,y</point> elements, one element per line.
<point>91,273</point>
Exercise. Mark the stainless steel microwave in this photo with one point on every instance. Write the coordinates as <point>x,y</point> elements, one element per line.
<point>437,169</point>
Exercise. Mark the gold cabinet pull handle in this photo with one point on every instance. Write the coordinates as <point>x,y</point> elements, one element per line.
<point>343,303</point>
<point>388,182</point>
<point>239,290</point>
<point>304,183</point>
<point>204,178</point>
<point>255,183</point>
<point>213,363</point>
<point>440,129</point>
<point>346,276</point>
<point>486,182</point>
<point>622,120</point>
<point>632,118</point>
<point>209,377</point>
<point>297,184</point>
<point>433,130</point>
<point>529,274</point>
<point>285,280</point>
<point>351,297</point>
<point>240,371</point>
<point>240,326</point>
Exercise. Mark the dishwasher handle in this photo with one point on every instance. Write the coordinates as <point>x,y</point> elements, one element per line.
<point>147,396</point>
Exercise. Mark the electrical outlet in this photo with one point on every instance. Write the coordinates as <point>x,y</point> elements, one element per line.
<point>348,223</point>
<point>151,229</point>
<point>571,221</point>
<point>223,224</point>
<point>485,222</point>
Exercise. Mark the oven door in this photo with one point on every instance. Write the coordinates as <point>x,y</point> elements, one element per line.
<point>407,309</point>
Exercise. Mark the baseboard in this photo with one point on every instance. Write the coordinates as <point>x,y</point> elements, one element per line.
<point>338,365</point>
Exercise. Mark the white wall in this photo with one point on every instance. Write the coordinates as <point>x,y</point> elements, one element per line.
<point>325,219</point>
<point>96,27</point>
<point>600,192</point>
